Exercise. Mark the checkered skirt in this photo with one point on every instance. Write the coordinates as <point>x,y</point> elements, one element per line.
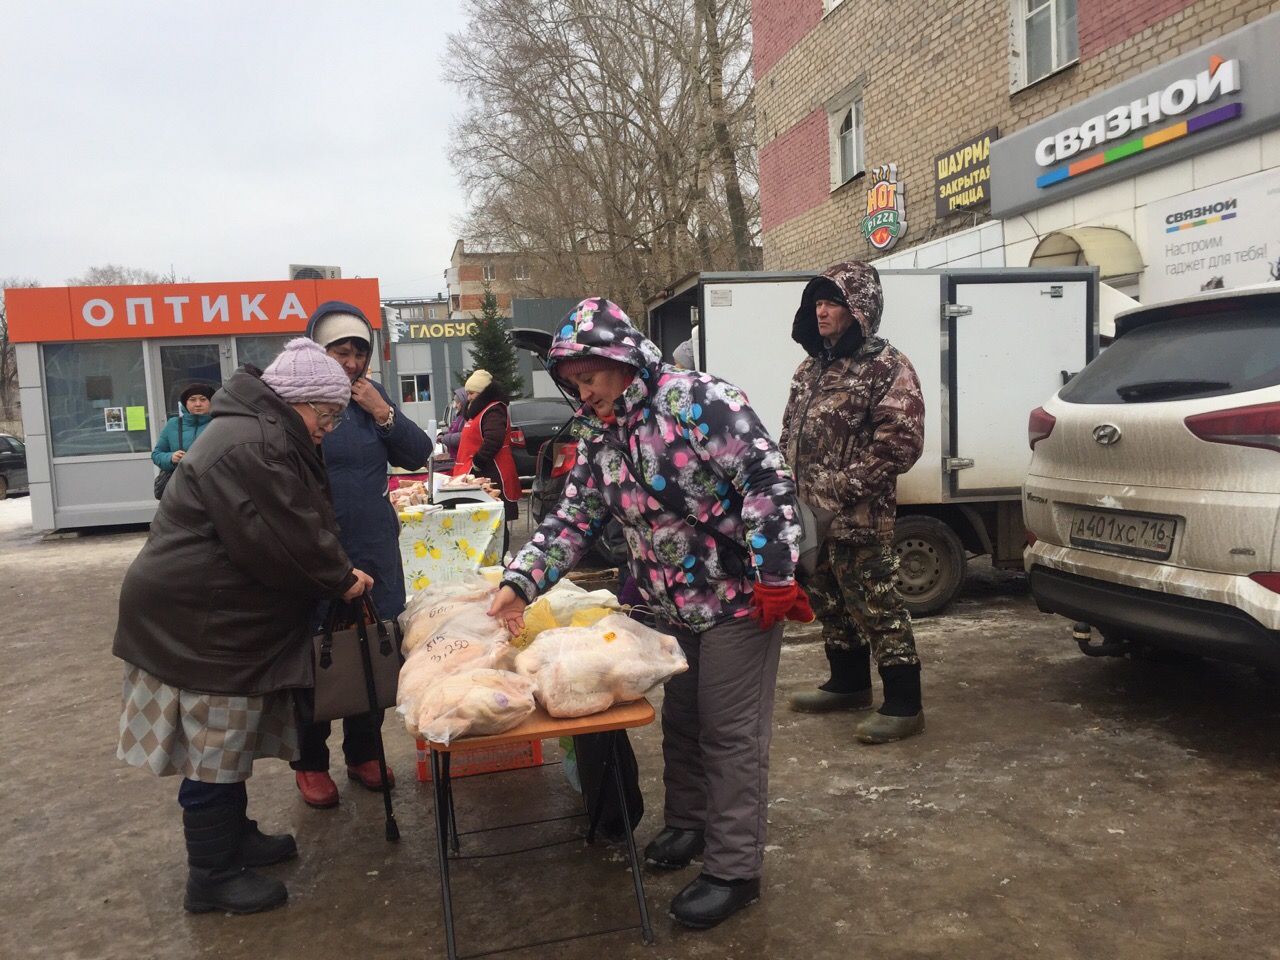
<point>209,737</point>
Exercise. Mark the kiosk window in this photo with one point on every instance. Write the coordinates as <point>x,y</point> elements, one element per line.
<point>415,387</point>
<point>90,387</point>
<point>259,351</point>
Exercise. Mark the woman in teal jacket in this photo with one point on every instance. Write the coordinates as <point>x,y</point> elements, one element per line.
<point>170,448</point>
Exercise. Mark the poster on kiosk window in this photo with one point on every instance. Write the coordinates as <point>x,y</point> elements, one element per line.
<point>1220,237</point>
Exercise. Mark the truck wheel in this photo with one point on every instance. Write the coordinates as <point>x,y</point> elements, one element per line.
<point>931,563</point>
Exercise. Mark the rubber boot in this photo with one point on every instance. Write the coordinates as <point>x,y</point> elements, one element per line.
<point>215,880</point>
<point>258,849</point>
<point>849,687</point>
<point>902,714</point>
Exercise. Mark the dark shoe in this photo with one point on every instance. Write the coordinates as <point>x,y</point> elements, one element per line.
<point>824,701</point>
<point>881,728</point>
<point>318,788</point>
<point>214,879</point>
<point>708,900</point>
<point>369,776</point>
<point>235,890</point>
<point>258,849</point>
<point>674,848</point>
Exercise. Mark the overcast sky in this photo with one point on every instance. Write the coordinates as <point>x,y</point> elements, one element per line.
<point>228,139</point>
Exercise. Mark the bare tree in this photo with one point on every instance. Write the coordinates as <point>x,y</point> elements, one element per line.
<point>115,275</point>
<point>9,405</point>
<point>604,143</point>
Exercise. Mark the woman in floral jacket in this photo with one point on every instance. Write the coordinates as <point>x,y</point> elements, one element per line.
<point>708,509</point>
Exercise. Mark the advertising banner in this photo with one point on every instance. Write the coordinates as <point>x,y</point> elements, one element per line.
<point>1217,237</point>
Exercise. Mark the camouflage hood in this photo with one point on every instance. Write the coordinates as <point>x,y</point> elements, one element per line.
<point>598,328</point>
<point>857,285</point>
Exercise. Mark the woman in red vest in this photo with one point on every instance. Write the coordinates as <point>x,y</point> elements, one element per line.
<point>484,450</point>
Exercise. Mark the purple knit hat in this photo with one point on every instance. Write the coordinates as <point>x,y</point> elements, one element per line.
<point>303,372</point>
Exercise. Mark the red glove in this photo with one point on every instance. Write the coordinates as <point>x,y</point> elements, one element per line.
<point>772,603</point>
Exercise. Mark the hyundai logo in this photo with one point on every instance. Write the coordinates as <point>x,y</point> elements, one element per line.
<point>1107,434</point>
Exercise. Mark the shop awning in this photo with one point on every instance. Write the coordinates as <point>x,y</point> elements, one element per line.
<point>1109,249</point>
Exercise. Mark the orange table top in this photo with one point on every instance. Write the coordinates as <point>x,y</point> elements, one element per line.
<point>540,725</point>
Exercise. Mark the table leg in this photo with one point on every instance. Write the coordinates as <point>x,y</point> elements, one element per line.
<point>615,761</point>
<point>453,811</point>
<point>444,814</point>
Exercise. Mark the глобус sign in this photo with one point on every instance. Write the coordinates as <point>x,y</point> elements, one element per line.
<point>1224,91</point>
<point>963,175</point>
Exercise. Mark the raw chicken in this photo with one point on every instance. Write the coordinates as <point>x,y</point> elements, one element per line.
<point>583,670</point>
<point>472,703</point>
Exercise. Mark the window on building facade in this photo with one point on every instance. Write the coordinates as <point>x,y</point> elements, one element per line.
<point>431,313</point>
<point>490,272</point>
<point>89,388</point>
<point>522,271</point>
<point>845,124</point>
<point>415,387</point>
<point>1045,39</point>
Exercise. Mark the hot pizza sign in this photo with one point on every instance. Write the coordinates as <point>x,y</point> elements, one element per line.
<point>886,219</point>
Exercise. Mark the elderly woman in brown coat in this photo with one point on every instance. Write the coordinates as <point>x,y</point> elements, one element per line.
<point>215,615</point>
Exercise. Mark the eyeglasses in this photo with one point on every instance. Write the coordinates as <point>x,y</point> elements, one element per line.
<point>325,420</point>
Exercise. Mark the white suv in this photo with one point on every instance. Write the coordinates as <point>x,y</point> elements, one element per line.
<point>1152,503</point>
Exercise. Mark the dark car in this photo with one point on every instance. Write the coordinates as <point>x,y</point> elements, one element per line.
<point>534,422</point>
<point>13,465</point>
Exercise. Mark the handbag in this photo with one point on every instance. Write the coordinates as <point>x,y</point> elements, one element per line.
<point>164,476</point>
<point>815,525</point>
<point>354,675</point>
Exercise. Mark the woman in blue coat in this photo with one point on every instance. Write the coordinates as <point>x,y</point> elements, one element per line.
<point>372,435</point>
<point>176,440</point>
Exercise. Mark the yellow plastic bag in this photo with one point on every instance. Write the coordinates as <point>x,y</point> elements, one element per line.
<point>587,617</point>
<point>537,617</point>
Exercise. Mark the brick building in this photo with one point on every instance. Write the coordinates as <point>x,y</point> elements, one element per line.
<point>508,275</point>
<point>849,90</point>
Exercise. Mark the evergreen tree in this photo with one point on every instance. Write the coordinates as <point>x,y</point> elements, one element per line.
<point>491,347</point>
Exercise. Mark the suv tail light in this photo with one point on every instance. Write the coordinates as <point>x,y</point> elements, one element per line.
<point>566,455</point>
<point>1039,425</point>
<point>516,436</point>
<point>1269,580</point>
<point>1243,427</point>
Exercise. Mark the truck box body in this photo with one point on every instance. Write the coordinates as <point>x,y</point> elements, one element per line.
<point>989,345</point>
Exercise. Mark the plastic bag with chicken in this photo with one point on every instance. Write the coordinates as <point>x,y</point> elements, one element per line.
<point>446,631</point>
<point>430,609</point>
<point>471,703</point>
<point>583,670</point>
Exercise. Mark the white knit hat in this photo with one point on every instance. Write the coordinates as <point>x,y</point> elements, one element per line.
<point>303,372</point>
<point>339,326</point>
<point>478,381</point>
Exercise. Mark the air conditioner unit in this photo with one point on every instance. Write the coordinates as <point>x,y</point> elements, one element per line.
<point>310,271</point>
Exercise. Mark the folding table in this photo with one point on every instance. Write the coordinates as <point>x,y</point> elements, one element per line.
<point>539,726</point>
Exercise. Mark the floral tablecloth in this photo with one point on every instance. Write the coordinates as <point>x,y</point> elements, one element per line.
<point>446,545</point>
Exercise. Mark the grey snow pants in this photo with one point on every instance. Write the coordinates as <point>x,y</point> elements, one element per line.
<point>717,723</point>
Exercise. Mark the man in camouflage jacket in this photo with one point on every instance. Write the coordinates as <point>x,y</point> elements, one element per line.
<point>854,421</point>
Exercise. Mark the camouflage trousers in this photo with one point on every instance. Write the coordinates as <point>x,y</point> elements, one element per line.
<point>854,595</point>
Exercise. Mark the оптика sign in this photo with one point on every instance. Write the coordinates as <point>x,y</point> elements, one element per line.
<point>1224,91</point>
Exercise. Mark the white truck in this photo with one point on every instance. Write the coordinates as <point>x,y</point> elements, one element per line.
<point>989,346</point>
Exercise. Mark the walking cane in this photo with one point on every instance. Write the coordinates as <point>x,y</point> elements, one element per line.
<point>384,640</point>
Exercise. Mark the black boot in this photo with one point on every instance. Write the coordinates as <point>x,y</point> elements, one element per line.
<point>902,714</point>
<point>674,848</point>
<point>849,687</point>
<point>258,849</point>
<point>708,900</point>
<point>215,880</point>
